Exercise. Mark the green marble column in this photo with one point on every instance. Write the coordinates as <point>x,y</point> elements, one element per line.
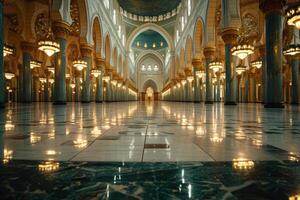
<point>246,95</point>
<point>86,86</point>
<point>295,81</point>
<point>26,76</point>
<point>273,10</point>
<point>60,74</point>
<point>99,89</point>
<point>209,53</point>
<point>46,91</point>
<point>77,89</point>
<point>2,78</point>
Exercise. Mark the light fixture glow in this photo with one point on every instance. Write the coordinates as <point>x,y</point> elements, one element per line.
<point>51,80</point>
<point>242,50</point>
<point>79,64</point>
<point>7,50</point>
<point>96,72</point>
<point>48,46</point>
<point>190,78</point>
<point>9,76</point>
<point>292,50</point>
<point>43,80</point>
<point>51,69</point>
<point>114,82</point>
<point>35,64</point>
<point>216,66</point>
<point>293,16</point>
<point>240,69</point>
<point>257,64</point>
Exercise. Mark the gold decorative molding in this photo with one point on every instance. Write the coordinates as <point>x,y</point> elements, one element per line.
<point>272,6</point>
<point>209,52</point>
<point>27,47</point>
<point>61,29</point>
<point>229,35</point>
<point>86,50</point>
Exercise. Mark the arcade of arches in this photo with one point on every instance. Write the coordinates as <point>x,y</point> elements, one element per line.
<point>210,81</point>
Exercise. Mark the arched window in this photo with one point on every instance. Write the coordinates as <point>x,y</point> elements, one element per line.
<point>114,17</point>
<point>106,4</point>
<point>189,7</point>
<point>182,23</point>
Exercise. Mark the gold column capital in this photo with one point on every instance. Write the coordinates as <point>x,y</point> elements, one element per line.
<point>27,47</point>
<point>229,35</point>
<point>86,50</point>
<point>61,29</point>
<point>209,52</point>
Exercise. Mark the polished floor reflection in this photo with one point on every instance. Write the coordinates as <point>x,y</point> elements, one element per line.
<point>150,132</point>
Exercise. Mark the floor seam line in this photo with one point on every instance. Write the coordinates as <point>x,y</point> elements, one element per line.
<point>144,143</point>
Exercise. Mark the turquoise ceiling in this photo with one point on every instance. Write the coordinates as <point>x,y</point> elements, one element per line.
<point>152,39</point>
<point>149,7</point>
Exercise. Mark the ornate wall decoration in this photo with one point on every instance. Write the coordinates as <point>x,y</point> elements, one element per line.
<point>14,23</point>
<point>250,27</point>
<point>41,25</point>
<point>75,26</point>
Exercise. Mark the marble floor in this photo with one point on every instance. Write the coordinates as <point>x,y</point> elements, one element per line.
<point>144,150</point>
<point>150,132</point>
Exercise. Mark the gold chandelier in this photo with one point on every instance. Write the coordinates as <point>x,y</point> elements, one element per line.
<point>293,16</point>
<point>243,47</point>
<point>242,50</point>
<point>7,50</point>
<point>35,64</point>
<point>216,65</point>
<point>48,44</point>
<point>257,64</point>
<point>240,69</point>
<point>72,85</point>
<point>9,76</point>
<point>292,50</point>
<point>189,78</point>
<point>43,80</point>
<point>79,64</point>
<point>200,74</point>
<point>106,78</point>
<point>51,69</point>
<point>96,72</point>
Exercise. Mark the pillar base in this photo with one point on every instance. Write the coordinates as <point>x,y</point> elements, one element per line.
<point>59,103</point>
<point>274,105</point>
<point>99,101</point>
<point>197,101</point>
<point>85,102</point>
<point>209,102</point>
<point>232,103</point>
<point>295,103</point>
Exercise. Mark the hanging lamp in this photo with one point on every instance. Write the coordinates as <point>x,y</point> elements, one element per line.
<point>48,44</point>
<point>293,16</point>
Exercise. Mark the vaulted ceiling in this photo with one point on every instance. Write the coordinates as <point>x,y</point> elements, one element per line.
<point>149,7</point>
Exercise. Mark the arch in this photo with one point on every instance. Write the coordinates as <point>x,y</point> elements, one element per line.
<point>150,83</point>
<point>210,23</point>
<point>149,26</point>
<point>115,58</point>
<point>189,51</point>
<point>181,59</point>
<point>83,19</point>
<point>107,49</point>
<point>145,53</point>
<point>198,38</point>
<point>97,35</point>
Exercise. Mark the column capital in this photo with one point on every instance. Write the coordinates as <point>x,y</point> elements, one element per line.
<point>196,62</point>
<point>86,50</point>
<point>272,6</point>
<point>61,29</point>
<point>27,47</point>
<point>100,63</point>
<point>187,71</point>
<point>229,35</point>
<point>209,52</point>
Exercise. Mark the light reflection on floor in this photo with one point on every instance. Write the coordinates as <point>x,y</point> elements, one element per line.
<point>120,131</point>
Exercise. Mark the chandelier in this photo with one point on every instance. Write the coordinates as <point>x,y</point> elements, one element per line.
<point>178,85</point>
<point>96,72</point>
<point>43,80</point>
<point>114,82</point>
<point>120,85</point>
<point>242,50</point>
<point>216,65</point>
<point>190,78</point>
<point>293,16</point>
<point>67,75</point>
<point>183,82</point>
<point>9,76</point>
<point>257,64</point>
<point>79,64</point>
<point>72,85</point>
<point>243,47</point>
<point>35,64</point>
<point>7,50</point>
<point>48,45</point>
<point>200,74</point>
<point>51,80</point>
<point>240,69</point>
<point>51,69</point>
<point>292,50</point>
<point>106,78</point>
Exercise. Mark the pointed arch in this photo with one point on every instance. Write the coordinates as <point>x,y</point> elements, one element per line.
<point>198,38</point>
<point>115,57</point>
<point>83,19</point>
<point>189,52</point>
<point>181,59</point>
<point>97,35</point>
<point>107,49</point>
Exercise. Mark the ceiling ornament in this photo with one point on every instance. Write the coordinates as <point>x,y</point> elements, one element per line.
<point>14,25</point>
<point>146,19</point>
<point>75,26</point>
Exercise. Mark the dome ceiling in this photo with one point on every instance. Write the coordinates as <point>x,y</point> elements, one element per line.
<point>149,40</point>
<point>149,7</point>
